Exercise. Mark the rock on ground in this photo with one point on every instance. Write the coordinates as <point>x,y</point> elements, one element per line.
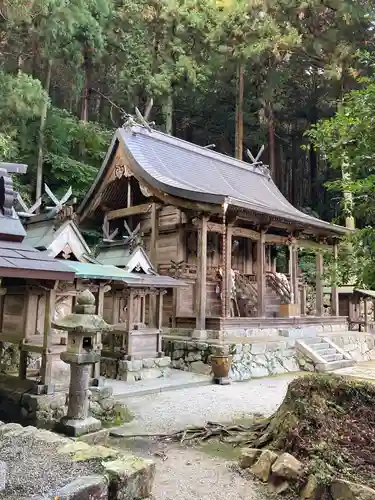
<point>345,490</point>
<point>287,466</point>
<point>262,468</point>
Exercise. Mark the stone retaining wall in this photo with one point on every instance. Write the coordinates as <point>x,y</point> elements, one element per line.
<point>360,346</point>
<point>45,411</point>
<point>136,369</point>
<point>258,359</point>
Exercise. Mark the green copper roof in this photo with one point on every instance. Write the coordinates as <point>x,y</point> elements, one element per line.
<point>98,271</point>
<point>86,270</point>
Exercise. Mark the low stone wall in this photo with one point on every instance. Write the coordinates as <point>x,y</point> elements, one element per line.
<point>136,369</point>
<point>258,359</point>
<point>45,411</point>
<point>359,346</point>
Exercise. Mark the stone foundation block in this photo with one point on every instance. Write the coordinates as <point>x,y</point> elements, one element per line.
<point>148,363</point>
<point>131,477</point>
<point>163,362</point>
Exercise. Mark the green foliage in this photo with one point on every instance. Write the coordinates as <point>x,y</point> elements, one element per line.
<point>298,58</point>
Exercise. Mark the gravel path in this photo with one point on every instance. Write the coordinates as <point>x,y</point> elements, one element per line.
<point>188,473</point>
<point>174,410</point>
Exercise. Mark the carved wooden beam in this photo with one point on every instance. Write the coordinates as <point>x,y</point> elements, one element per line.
<point>126,212</point>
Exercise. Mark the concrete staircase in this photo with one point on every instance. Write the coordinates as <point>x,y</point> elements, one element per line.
<point>324,354</point>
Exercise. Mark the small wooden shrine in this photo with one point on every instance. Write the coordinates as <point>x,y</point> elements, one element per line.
<point>29,278</point>
<point>214,222</point>
<point>120,274</point>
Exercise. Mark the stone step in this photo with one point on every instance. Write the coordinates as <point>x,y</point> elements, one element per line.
<point>326,352</point>
<point>335,365</point>
<point>319,347</point>
<point>333,357</point>
<point>314,340</point>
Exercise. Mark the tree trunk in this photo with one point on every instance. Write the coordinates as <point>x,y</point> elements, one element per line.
<point>43,117</point>
<point>168,113</point>
<point>348,195</point>
<point>85,98</point>
<point>272,142</point>
<point>239,133</point>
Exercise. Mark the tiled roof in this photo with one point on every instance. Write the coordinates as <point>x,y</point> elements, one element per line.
<point>185,170</point>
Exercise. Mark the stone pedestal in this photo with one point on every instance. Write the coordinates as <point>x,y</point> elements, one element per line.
<point>77,421</point>
<point>83,352</point>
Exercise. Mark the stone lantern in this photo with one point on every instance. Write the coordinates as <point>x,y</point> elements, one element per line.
<point>83,350</point>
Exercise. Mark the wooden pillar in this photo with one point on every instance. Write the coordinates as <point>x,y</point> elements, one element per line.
<point>227,278</point>
<point>366,311</point>
<point>261,282</point>
<point>46,371</point>
<point>160,322</point>
<point>319,283</point>
<point>153,253</point>
<point>99,311</point>
<point>130,311</point>
<point>334,289</point>
<point>180,257</point>
<point>303,300</point>
<point>201,283</point>
<point>27,313</point>
<point>293,272</point>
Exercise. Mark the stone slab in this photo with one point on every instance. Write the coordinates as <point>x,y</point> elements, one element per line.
<point>90,487</point>
<point>177,380</point>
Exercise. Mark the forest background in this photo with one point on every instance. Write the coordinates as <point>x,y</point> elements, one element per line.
<point>294,75</point>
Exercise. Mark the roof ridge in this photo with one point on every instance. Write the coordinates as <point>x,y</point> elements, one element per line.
<point>249,167</point>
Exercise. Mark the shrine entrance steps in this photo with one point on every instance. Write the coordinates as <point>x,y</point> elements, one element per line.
<point>323,354</point>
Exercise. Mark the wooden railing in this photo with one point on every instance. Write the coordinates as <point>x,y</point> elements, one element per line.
<point>280,285</point>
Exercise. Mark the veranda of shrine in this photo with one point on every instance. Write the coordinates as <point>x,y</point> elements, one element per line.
<point>212,221</point>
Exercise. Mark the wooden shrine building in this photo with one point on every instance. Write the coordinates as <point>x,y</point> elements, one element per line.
<point>119,273</point>
<point>28,277</point>
<point>213,221</point>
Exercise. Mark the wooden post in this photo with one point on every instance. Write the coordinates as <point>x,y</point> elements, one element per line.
<point>334,289</point>
<point>261,283</point>
<point>22,368</point>
<point>46,371</point>
<point>160,322</point>
<point>180,257</point>
<point>99,310</point>
<point>319,283</point>
<point>153,253</point>
<point>303,300</point>
<point>201,286</point>
<point>228,272</point>
<point>130,324</point>
<point>366,313</point>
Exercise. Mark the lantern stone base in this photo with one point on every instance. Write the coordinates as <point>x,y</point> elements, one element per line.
<point>75,428</point>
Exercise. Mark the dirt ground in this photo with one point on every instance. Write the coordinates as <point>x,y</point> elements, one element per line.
<point>186,473</point>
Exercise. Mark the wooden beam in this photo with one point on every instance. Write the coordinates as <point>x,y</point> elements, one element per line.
<point>127,211</point>
<point>334,289</point>
<point>201,289</point>
<point>319,283</point>
<point>261,283</point>
<point>227,278</point>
